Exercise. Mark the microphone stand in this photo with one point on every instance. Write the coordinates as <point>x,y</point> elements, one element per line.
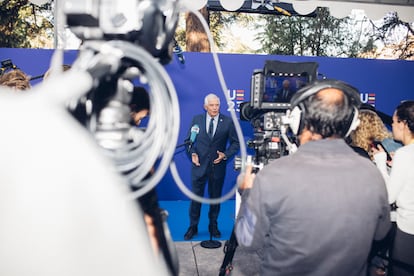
<point>210,243</point>
<point>186,142</point>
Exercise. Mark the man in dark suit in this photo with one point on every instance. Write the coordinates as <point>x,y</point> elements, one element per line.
<point>209,157</point>
<point>285,93</point>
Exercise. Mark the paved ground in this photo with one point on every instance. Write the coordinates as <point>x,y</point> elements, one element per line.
<point>195,260</point>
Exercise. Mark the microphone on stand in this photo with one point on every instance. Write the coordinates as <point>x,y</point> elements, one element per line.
<point>195,129</point>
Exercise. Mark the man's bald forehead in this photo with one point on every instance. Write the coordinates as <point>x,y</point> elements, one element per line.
<point>331,95</point>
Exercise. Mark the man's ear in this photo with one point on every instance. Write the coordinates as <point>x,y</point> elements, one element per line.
<point>304,136</point>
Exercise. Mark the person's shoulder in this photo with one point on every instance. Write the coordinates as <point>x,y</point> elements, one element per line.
<point>226,120</point>
<point>405,152</point>
<point>225,117</point>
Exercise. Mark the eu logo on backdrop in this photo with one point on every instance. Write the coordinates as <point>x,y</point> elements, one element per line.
<point>368,98</point>
<point>236,96</point>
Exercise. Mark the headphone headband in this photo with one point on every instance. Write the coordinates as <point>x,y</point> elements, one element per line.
<point>351,92</point>
<point>295,114</point>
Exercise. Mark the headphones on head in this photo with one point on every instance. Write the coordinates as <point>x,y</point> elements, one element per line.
<point>297,108</point>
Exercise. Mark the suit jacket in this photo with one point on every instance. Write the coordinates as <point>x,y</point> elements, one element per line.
<point>206,148</point>
<point>281,97</point>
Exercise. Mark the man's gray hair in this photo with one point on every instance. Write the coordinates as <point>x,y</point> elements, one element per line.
<point>210,97</point>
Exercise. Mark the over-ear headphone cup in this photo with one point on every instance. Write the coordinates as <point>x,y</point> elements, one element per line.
<point>354,123</point>
<point>295,119</point>
<point>298,108</point>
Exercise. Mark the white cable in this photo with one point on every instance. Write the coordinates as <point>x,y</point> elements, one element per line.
<point>154,150</point>
<point>195,197</point>
<point>57,57</point>
<point>157,144</point>
<point>240,136</point>
<point>165,116</point>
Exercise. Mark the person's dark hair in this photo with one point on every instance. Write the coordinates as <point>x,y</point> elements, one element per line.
<point>405,112</point>
<point>140,99</point>
<point>329,118</point>
<point>365,106</point>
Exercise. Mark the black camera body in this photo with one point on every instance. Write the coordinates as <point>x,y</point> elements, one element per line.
<point>7,65</point>
<point>271,90</point>
<point>273,86</point>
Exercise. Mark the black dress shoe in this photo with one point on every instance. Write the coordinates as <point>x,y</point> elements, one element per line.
<point>214,231</point>
<point>192,230</point>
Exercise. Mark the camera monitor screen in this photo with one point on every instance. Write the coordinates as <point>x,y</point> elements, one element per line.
<point>279,88</point>
<point>274,86</point>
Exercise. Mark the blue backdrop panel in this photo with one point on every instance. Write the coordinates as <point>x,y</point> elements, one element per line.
<point>383,83</point>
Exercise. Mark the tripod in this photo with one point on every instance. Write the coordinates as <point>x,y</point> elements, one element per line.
<point>229,250</point>
<point>150,205</point>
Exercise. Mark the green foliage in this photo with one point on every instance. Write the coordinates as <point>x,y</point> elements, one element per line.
<point>23,25</point>
<point>322,35</point>
<point>396,35</point>
<point>217,21</point>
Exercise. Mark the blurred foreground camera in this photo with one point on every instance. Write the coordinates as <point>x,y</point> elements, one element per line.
<point>148,23</point>
<point>124,45</point>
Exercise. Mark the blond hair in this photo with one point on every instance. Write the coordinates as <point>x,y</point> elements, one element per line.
<point>371,128</point>
<point>16,79</point>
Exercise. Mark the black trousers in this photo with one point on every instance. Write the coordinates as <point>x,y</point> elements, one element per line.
<point>215,187</point>
<point>403,251</point>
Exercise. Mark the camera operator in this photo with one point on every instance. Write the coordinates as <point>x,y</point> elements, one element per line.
<point>317,211</point>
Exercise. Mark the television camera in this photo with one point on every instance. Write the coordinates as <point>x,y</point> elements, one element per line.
<point>271,90</point>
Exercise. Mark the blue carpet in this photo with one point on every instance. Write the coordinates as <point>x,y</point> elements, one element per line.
<point>178,220</point>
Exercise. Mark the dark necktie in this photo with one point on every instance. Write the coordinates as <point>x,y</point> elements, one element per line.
<point>211,128</point>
